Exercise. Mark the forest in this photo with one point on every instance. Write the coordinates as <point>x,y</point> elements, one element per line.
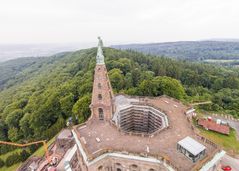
<point>38,97</point>
<point>190,50</point>
<point>11,68</point>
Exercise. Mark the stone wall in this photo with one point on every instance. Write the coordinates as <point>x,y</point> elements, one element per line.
<point>101,104</point>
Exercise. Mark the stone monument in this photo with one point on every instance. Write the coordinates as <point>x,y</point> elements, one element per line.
<point>100,56</point>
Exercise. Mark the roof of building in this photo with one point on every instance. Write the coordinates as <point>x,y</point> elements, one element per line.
<point>162,144</point>
<point>212,125</point>
<point>192,145</point>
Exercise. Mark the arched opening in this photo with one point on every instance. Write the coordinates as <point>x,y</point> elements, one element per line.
<point>118,167</point>
<point>134,167</point>
<point>101,114</point>
<point>99,96</point>
<point>100,168</point>
<point>152,170</point>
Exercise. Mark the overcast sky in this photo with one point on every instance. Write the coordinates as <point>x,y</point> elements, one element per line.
<point>117,21</point>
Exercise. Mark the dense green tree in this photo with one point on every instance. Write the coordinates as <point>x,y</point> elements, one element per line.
<point>67,103</point>
<point>128,80</point>
<point>3,131</point>
<point>27,132</point>
<point>123,64</point>
<point>231,82</point>
<point>54,129</point>
<point>12,159</point>
<point>6,148</point>
<point>136,76</point>
<point>116,78</point>
<point>146,75</point>
<point>126,65</point>
<point>158,67</point>
<point>24,155</point>
<point>169,86</point>
<point>132,91</point>
<point>46,114</point>
<point>81,107</point>
<point>218,84</point>
<point>85,87</point>
<point>148,88</point>
<point>189,77</point>
<point>13,118</point>
<point>14,134</point>
<point>2,163</point>
<point>22,103</point>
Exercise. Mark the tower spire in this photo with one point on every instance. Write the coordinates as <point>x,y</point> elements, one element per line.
<point>100,57</point>
<point>101,101</point>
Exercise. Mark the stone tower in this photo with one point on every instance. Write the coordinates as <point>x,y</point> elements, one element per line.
<point>101,103</point>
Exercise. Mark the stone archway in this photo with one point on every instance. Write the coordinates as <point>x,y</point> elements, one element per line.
<point>101,113</point>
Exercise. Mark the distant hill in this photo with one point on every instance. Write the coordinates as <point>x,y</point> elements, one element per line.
<point>191,50</point>
<point>13,51</point>
<point>12,71</point>
<point>224,40</point>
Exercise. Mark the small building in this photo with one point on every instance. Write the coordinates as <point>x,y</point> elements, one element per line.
<point>191,149</point>
<point>212,125</point>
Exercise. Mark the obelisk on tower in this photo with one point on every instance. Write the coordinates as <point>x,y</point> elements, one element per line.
<point>100,57</point>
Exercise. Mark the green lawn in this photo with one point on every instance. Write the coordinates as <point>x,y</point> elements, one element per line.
<point>4,156</point>
<point>13,167</point>
<point>228,142</point>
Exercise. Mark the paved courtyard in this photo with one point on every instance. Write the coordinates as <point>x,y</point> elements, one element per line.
<point>97,136</point>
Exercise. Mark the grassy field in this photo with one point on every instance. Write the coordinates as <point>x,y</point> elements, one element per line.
<point>4,156</point>
<point>13,167</point>
<point>228,142</point>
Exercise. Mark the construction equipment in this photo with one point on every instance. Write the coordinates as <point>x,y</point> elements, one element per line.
<point>28,144</point>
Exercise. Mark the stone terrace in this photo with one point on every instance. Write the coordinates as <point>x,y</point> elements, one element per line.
<point>161,144</point>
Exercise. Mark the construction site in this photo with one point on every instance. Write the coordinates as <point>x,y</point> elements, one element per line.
<point>129,133</point>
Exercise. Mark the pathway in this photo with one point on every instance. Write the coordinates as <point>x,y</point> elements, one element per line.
<point>201,103</point>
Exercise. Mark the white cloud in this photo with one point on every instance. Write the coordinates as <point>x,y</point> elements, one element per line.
<point>36,21</point>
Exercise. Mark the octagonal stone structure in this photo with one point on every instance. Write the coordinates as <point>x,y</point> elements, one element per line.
<point>140,118</point>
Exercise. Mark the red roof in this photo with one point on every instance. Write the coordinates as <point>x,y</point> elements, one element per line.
<point>212,125</point>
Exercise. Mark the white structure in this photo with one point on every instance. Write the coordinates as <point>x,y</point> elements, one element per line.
<point>191,148</point>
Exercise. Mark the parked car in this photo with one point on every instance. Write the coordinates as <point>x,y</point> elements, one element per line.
<point>226,168</point>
